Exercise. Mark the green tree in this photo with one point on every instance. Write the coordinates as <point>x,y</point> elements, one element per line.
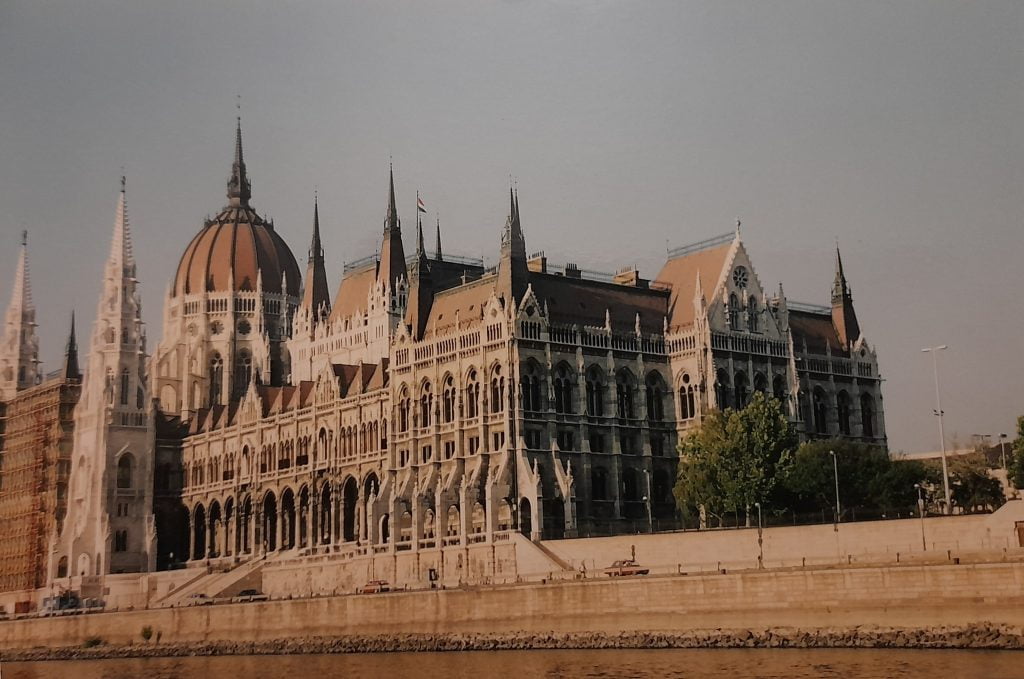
<point>734,459</point>
<point>971,486</point>
<point>1017,466</point>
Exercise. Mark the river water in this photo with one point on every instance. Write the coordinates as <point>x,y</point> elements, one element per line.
<point>605,664</point>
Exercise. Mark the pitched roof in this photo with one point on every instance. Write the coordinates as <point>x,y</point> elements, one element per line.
<point>578,300</point>
<point>817,330</point>
<point>681,274</point>
<point>353,292</point>
<point>465,301</point>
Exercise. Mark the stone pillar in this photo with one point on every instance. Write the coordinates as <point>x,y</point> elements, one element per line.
<point>191,541</point>
<point>279,529</point>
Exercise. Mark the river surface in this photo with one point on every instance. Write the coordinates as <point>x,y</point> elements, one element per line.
<point>610,664</point>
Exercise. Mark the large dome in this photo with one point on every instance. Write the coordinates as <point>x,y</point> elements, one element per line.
<point>236,247</point>
<point>231,251</point>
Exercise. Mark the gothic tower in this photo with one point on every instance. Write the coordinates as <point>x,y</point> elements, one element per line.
<point>109,526</point>
<point>19,351</point>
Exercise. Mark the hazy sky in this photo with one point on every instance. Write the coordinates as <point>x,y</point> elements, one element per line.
<point>896,127</point>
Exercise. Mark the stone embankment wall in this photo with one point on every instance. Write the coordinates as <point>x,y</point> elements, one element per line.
<point>940,538</point>
<point>909,597</point>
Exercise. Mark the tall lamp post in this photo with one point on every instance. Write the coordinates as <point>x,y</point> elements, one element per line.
<point>1002,450</point>
<point>934,351</point>
<point>650,520</point>
<point>760,537</point>
<point>920,512</point>
<point>835,472</point>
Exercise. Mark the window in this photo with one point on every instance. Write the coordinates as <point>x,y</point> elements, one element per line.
<point>497,391</point>
<point>498,439</point>
<point>124,386</point>
<point>742,392</point>
<point>533,438</point>
<point>867,415</point>
<point>722,389</point>
<point>734,312</point>
<point>121,541</point>
<point>779,387</point>
<point>753,315</point>
<point>216,378</point>
<point>426,404</point>
<point>820,412</point>
<point>124,471</point>
<point>624,387</point>
<point>404,406</point>
<point>687,405</point>
<point>843,412</point>
<point>472,396</point>
<point>449,450</point>
<point>597,443</point>
<point>426,454</point>
<point>563,390</point>
<point>565,440</point>
<point>530,386</point>
<point>595,392</point>
<point>474,445</point>
<point>599,484</point>
<point>243,373</point>
<point>655,397</point>
<point>657,445</point>
<point>448,400</point>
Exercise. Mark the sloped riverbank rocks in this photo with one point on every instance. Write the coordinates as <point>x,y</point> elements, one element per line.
<point>978,636</point>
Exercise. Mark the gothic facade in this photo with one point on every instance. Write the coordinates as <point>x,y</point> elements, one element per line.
<point>433,404</point>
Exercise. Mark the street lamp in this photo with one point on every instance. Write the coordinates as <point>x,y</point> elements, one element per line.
<point>647,499</point>
<point>934,351</point>
<point>920,513</point>
<point>835,472</point>
<point>1002,449</point>
<point>760,537</point>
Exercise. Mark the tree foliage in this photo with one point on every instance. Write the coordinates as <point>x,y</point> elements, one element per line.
<point>1017,467</point>
<point>971,487</point>
<point>735,458</point>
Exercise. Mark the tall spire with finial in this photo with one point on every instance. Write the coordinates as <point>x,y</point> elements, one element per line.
<point>239,189</point>
<point>392,254</point>
<point>316,297</point>
<point>71,370</point>
<point>19,351</point>
<point>844,318</point>
<point>437,250</point>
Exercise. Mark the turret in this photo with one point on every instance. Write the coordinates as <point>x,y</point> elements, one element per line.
<point>513,272</point>
<point>392,255</point>
<point>316,298</point>
<point>844,318</point>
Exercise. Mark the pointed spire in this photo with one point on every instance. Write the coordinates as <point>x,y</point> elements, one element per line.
<point>19,346</point>
<point>239,189</point>
<point>392,254</point>
<point>391,218</point>
<point>71,370</point>
<point>437,250</point>
<point>420,249</point>
<point>21,294</point>
<point>121,254</point>
<point>840,288</point>
<point>844,318</point>
<point>316,298</point>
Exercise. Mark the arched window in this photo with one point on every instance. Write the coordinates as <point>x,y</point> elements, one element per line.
<point>448,400</point>
<point>140,398</point>
<point>497,390</point>
<point>734,312</point>
<point>472,395</point>
<point>403,410</point>
<point>530,388</point>
<point>243,373</point>
<point>687,404</point>
<point>595,392</point>
<point>843,412</point>
<point>722,389</point>
<point>655,397</point>
<point>124,471</point>
<point>624,387</point>
<point>124,386</point>
<point>426,404</point>
<point>216,378</point>
<point>753,315</point>
<point>779,387</point>
<point>563,390</point>
<point>820,411</point>
<point>761,383</point>
<point>742,393</point>
<point>867,415</point>
<point>110,386</point>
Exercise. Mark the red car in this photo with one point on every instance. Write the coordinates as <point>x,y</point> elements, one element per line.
<point>625,567</point>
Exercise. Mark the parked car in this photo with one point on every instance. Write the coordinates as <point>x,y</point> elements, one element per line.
<point>625,567</point>
<point>374,587</point>
<point>198,599</point>
<point>247,595</point>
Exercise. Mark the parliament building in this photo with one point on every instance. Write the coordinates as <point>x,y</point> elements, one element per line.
<point>422,417</point>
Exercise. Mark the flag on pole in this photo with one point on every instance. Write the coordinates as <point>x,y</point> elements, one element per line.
<point>420,205</point>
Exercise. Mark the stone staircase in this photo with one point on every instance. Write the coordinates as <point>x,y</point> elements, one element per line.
<point>534,559</point>
<point>219,584</point>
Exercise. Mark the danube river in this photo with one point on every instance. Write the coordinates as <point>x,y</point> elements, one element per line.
<point>609,664</point>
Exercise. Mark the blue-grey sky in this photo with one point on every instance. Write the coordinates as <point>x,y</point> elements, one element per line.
<point>895,127</point>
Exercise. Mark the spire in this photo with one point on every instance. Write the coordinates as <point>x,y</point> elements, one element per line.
<point>316,296</point>
<point>121,254</point>
<point>71,371</point>
<point>239,189</point>
<point>437,250</point>
<point>19,346</point>
<point>844,318</point>
<point>392,254</point>
<point>513,273</point>
<point>420,249</point>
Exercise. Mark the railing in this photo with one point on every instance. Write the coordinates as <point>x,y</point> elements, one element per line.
<point>361,263</point>
<point>808,308</point>
<point>701,245</point>
<point>749,345</point>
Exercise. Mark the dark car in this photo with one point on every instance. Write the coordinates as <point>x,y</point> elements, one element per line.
<point>247,595</point>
